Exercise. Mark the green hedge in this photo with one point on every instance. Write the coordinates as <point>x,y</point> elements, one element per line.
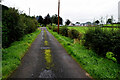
<point>64,31</point>
<point>102,41</point>
<point>74,34</point>
<point>15,25</point>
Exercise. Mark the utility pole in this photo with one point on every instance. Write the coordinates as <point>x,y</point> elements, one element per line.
<point>58,14</point>
<point>29,11</point>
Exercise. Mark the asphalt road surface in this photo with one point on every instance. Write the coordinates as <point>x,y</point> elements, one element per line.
<point>46,58</point>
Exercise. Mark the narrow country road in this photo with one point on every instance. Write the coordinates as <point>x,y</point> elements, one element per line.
<point>46,58</point>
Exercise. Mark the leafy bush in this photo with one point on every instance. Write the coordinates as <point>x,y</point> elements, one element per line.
<point>55,29</point>
<point>110,55</point>
<point>115,43</point>
<point>103,41</point>
<point>53,26</point>
<point>64,31</point>
<point>11,30</point>
<point>15,25</point>
<point>49,26</point>
<point>73,34</point>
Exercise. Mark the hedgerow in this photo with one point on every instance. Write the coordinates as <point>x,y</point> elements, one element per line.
<point>64,31</point>
<point>102,41</point>
<point>15,25</point>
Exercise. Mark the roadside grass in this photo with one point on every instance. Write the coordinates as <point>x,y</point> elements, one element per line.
<point>11,56</point>
<point>98,67</point>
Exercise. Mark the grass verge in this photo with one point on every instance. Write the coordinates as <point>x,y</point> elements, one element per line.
<point>98,67</point>
<point>11,56</point>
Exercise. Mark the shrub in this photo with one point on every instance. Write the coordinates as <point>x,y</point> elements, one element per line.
<point>102,41</point>
<point>96,39</point>
<point>110,55</point>
<point>64,31</point>
<point>11,30</point>
<point>49,26</point>
<point>53,26</point>
<point>80,36</point>
<point>115,43</point>
<point>16,25</point>
<point>73,34</point>
<point>55,29</point>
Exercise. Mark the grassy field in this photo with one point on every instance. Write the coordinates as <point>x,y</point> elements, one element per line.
<point>98,67</point>
<point>11,57</point>
<point>80,29</point>
<point>84,29</point>
<point>114,25</point>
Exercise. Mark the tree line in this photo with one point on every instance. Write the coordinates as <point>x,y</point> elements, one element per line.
<point>49,20</point>
<point>15,25</point>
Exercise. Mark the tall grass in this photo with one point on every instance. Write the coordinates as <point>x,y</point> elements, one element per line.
<point>11,57</point>
<point>98,67</point>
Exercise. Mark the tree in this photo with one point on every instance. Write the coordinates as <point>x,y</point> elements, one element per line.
<point>47,19</point>
<point>67,22</point>
<point>40,20</point>
<point>97,22</point>
<point>109,21</point>
<point>15,25</point>
<point>77,22</point>
<point>54,19</point>
<point>60,21</point>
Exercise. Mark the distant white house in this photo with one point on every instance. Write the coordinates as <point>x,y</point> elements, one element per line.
<point>77,24</point>
<point>71,24</point>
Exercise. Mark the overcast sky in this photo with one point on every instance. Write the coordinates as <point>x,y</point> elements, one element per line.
<point>75,10</point>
